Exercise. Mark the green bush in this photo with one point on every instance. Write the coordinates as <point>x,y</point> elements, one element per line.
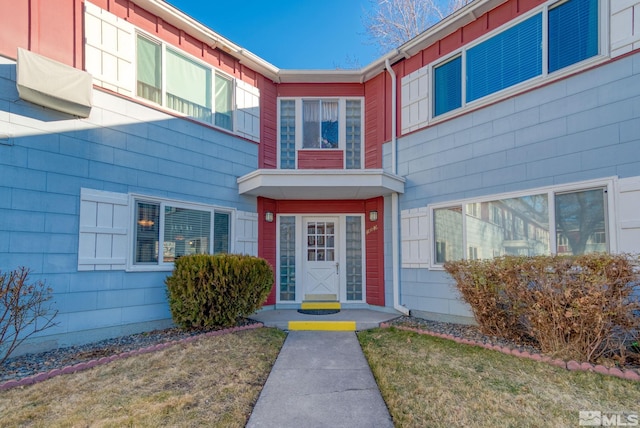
<point>207,291</point>
<point>581,307</point>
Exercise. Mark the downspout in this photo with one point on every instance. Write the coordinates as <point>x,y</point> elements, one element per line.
<point>395,226</point>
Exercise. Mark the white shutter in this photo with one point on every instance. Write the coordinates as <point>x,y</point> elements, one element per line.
<point>415,238</point>
<point>104,222</point>
<point>247,111</point>
<point>415,100</point>
<point>624,26</point>
<point>629,215</point>
<point>109,49</point>
<point>246,233</point>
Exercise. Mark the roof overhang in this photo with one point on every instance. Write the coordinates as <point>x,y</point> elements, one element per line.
<point>320,184</point>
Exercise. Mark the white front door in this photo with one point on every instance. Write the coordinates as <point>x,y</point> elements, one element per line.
<point>321,258</point>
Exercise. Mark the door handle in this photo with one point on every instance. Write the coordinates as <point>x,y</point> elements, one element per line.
<point>337,268</point>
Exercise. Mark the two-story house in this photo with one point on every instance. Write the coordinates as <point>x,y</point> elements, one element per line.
<point>131,134</point>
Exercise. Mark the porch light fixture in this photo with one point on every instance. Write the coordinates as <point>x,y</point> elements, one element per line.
<point>268,216</point>
<point>373,215</point>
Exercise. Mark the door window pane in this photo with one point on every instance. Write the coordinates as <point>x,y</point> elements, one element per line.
<point>580,222</point>
<point>186,232</point>
<point>321,241</point>
<point>147,233</point>
<point>354,258</point>
<point>287,258</point>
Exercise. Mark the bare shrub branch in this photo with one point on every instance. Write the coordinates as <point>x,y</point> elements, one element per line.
<point>24,309</point>
<point>393,22</point>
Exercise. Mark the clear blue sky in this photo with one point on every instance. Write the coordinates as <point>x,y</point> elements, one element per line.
<point>291,34</point>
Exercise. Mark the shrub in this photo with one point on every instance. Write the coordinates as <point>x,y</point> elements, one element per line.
<point>207,291</point>
<point>24,309</point>
<point>582,307</point>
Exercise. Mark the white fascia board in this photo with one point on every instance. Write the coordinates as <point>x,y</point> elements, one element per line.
<point>320,184</point>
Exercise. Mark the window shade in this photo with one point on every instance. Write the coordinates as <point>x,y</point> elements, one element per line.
<point>448,86</point>
<point>223,117</point>
<point>573,33</point>
<point>149,62</point>
<point>508,58</point>
<point>186,231</point>
<point>188,80</point>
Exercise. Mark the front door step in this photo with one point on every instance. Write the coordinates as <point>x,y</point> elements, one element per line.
<point>320,297</point>
<point>319,308</point>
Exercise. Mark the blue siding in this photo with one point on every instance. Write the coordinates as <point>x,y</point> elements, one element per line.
<point>584,127</point>
<point>50,156</point>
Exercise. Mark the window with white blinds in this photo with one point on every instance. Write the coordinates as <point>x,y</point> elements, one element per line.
<point>167,230</point>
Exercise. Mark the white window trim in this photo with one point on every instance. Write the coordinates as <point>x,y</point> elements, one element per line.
<point>544,78</point>
<point>610,183</point>
<point>342,126</point>
<point>164,46</point>
<point>161,266</point>
<point>301,252</point>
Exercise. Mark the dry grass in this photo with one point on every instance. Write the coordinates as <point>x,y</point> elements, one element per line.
<point>213,381</point>
<point>432,382</point>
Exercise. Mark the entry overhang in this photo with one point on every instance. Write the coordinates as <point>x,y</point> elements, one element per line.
<point>320,183</point>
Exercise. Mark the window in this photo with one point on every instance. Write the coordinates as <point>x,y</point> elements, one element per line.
<point>166,231</point>
<point>580,222</point>
<point>354,134</point>
<point>508,58</point>
<point>573,33</point>
<point>287,134</point>
<point>448,233</point>
<point>287,250</point>
<point>447,82</point>
<point>149,82</point>
<point>224,100</point>
<point>515,54</point>
<point>188,87</point>
<point>320,124</point>
<point>522,225</point>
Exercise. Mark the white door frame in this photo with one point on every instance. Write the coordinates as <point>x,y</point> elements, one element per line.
<point>301,255</point>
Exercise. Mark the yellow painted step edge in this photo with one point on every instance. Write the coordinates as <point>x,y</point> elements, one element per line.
<point>320,305</point>
<point>323,325</point>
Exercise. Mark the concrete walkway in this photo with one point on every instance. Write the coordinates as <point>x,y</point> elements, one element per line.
<point>320,379</point>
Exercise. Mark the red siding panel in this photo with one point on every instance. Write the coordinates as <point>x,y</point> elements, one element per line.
<point>267,151</point>
<point>412,64</point>
<point>470,32</point>
<point>374,239</point>
<point>267,241</point>
<point>321,207</point>
<point>375,121</point>
<point>47,27</point>
<point>320,159</point>
<point>15,27</point>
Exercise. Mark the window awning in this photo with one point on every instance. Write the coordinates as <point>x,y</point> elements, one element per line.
<point>52,84</point>
<point>322,184</point>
